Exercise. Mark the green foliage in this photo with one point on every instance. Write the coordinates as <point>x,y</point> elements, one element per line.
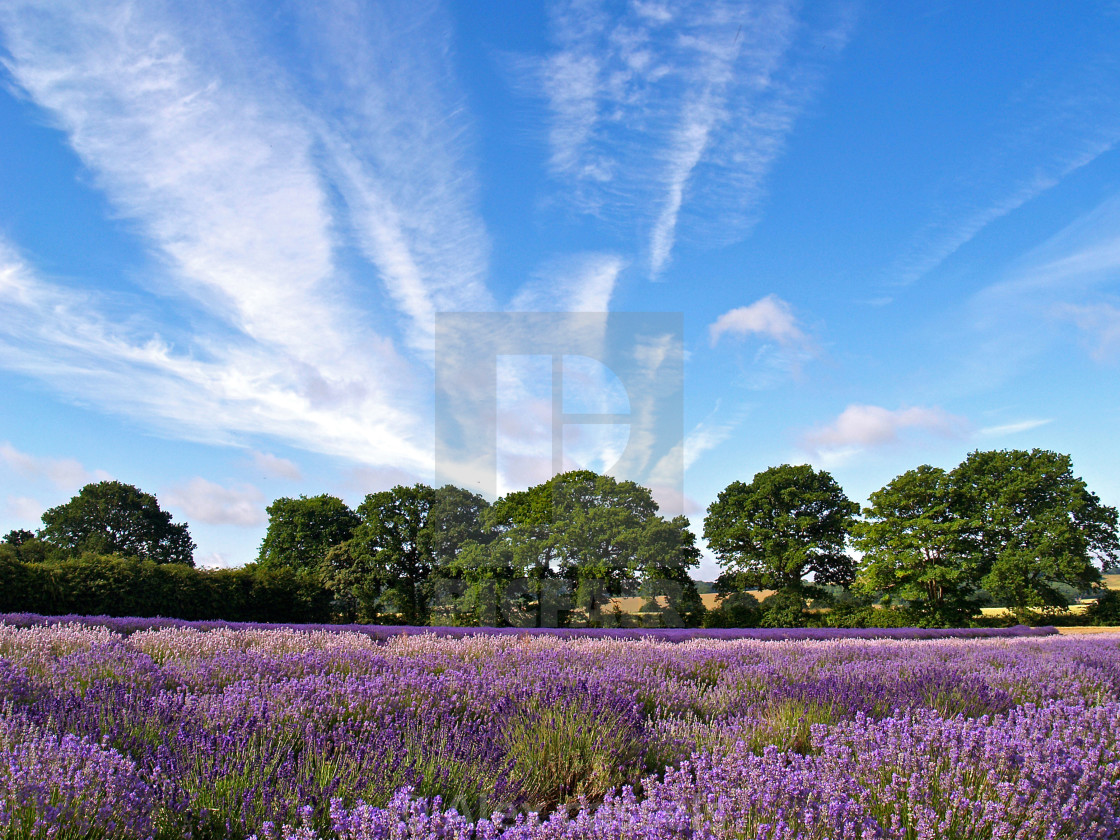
<point>407,539</point>
<point>1105,611</point>
<point>33,550</point>
<point>485,572</point>
<point>785,608</point>
<point>93,584</point>
<point>18,537</point>
<point>914,547</point>
<point>24,587</point>
<point>114,518</point>
<point>736,609</point>
<point>593,537</point>
<point>864,615</point>
<point>1012,526</point>
<point>1031,524</point>
<point>301,531</point>
<point>789,521</point>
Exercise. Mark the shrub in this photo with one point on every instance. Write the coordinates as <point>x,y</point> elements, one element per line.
<point>738,609</point>
<point>785,608</point>
<point>1106,610</point>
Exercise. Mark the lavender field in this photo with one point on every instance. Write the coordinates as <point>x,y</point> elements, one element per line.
<point>178,731</point>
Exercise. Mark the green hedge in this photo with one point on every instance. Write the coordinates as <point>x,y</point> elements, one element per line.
<point>124,586</point>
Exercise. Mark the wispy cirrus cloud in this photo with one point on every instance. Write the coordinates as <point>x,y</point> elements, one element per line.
<point>391,117</point>
<point>77,342</point>
<point>676,112</point>
<point>582,283</point>
<point>1014,428</point>
<point>1070,118</point>
<point>229,160</point>
<point>1061,288</point>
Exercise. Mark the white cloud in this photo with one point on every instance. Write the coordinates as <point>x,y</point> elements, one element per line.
<point>273,466</point>
<point>23,511</point>
<point>65,474</point>
<point>1100,323</point>
<point>221,160</point>
<point>679,108</point>
<point>868,426</point>
<point>63,337</point>
<point>216,560</point>
<point>770,317</point>
<point>583,283</point>
<point>1013,428</point>
<point>1070,120</point>
<point>212,504</point>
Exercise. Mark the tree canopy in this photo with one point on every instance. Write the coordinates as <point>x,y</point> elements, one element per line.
<point>404,537</point>
<point>1031,524</point>
<point>913,542</point>
<point>595,535</point>
<point>110,517</point>
<point>789,521</point>
<point>301,531</point>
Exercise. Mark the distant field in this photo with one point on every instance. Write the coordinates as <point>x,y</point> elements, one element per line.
<point>1080,631</point>
<point>711,600</point>
<point>1072,609</point>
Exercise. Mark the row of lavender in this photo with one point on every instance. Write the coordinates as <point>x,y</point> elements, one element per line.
<point>177,732</point>
<point>381,632</point>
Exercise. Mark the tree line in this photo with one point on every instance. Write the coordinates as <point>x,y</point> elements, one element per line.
<point>1012,527</point>
<point>535,557</point>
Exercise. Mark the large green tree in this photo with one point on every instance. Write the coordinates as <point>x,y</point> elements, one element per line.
<point>914,547</point>
<point>1031,524</point>
<point>407,538</point>
<point>301,531</point>
<point>595,535</point>
<point>110,517</point>
<point>789,521</point>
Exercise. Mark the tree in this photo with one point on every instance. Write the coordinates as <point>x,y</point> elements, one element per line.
<point>18,537</point>
<point>114,518</point>
<point>914,547</point>
<point>301,531</point>
<point>600,537</point>
<point>406,537</point>
<point>1031,524</point>
<point>667,555</point>
<point>789,521</point>
<point>24,546</point>
<point>785,608</point>
<point>736,609</point>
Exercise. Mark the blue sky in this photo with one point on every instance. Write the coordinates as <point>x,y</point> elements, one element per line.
<point>893,230</point>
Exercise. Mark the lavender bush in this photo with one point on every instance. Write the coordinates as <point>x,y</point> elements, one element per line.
<point>151,729</point>
<point>382,632</point>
